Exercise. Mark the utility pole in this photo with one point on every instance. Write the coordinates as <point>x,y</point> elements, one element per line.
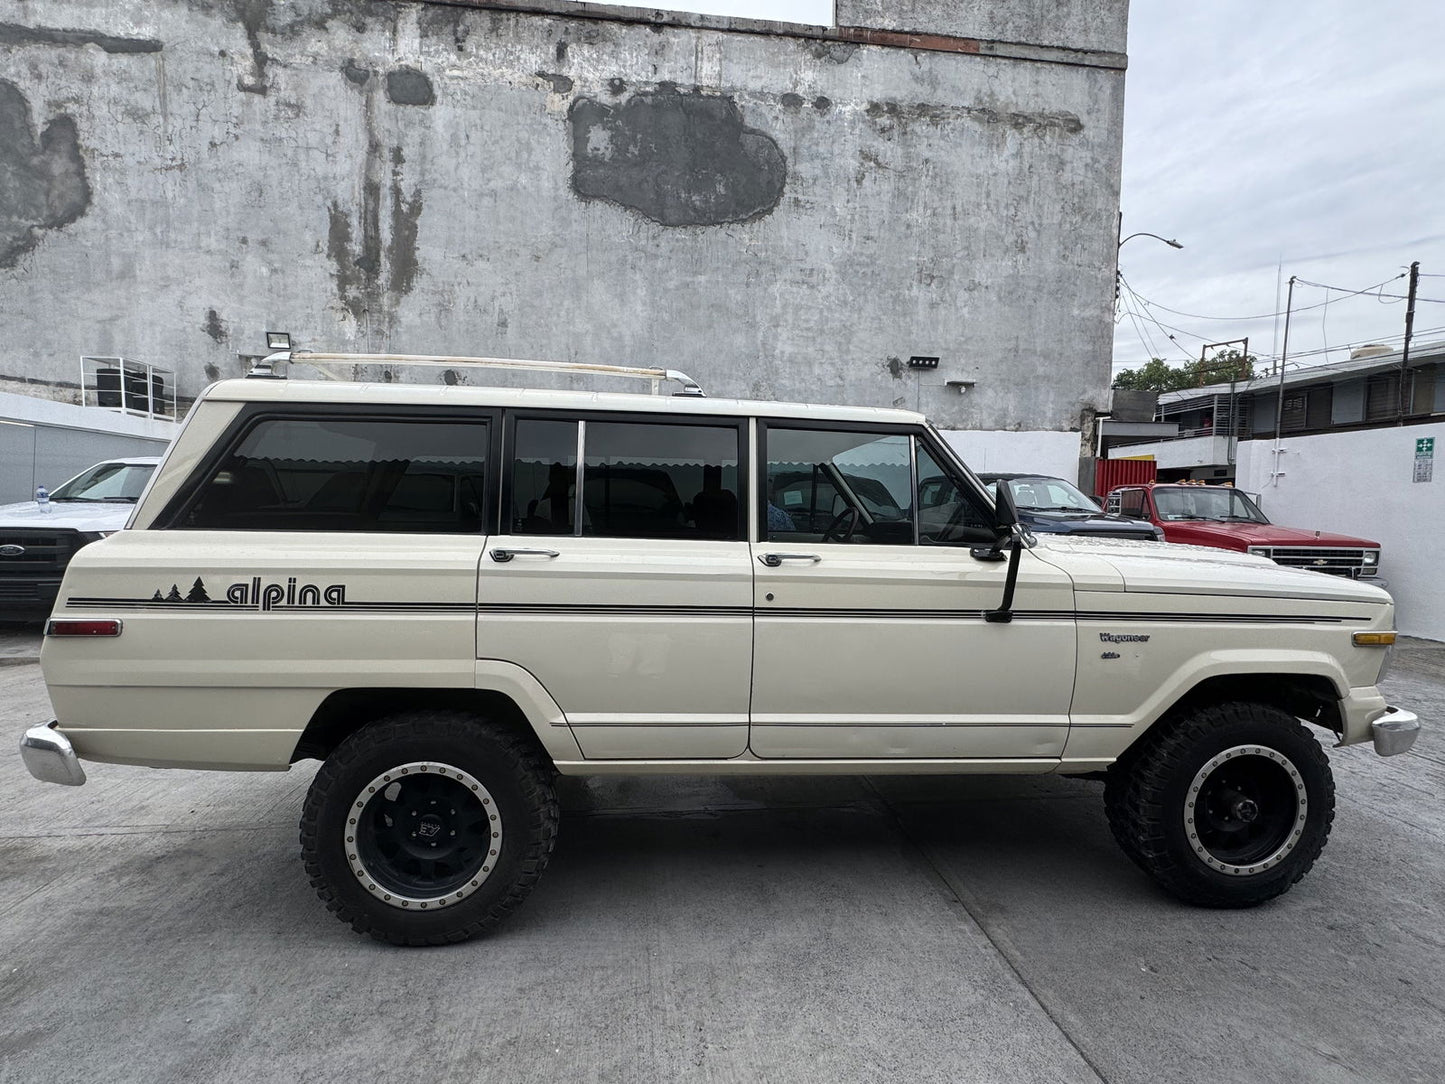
<point>1279,393</point>
<point>1409,331</point>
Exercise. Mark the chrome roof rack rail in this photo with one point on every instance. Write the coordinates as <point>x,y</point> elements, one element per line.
<point>283,355</point>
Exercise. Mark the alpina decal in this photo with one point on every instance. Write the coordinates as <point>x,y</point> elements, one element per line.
<point>1123,638</point>
<point>274,594</point>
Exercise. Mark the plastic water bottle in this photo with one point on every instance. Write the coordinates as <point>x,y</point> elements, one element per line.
<point>42,498</point>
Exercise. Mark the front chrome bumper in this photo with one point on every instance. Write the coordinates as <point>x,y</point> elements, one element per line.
<point>1395,731</point>
<point>49,756</point>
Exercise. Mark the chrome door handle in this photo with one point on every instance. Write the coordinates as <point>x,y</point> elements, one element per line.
<point>773,560</point>
<point>502,556</point>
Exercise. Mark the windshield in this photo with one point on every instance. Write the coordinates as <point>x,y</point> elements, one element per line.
<point>1049,495</point>
<point>106,482</point>
<point>1206,502</point>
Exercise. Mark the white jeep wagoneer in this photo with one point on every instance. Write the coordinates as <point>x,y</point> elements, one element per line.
<point>449,594</point>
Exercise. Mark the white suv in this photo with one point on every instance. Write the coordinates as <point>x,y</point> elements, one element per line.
<point>450,594</point>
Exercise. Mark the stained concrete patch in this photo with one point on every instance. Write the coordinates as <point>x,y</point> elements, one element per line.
<point>407,86</point>
<point>680,159</point>
<point>355,73</point>
<point>12,34</point>
<point>214,326</point>
<point>890,116</point>
<point>560,84</point>
<point>42,184</point>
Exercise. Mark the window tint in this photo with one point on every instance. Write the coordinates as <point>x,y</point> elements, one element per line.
<point>653,480</point>
<point>544,477</point>
<point>945,509</point>
<point>319,474</point>
<point>830,486</point>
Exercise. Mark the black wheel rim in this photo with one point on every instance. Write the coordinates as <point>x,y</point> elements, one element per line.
<point>1246,810</point>
<point>423,835</point>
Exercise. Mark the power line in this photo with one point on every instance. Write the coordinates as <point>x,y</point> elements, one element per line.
<point>1281,312</point>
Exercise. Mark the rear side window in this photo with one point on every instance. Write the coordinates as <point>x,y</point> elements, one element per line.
<point>640,479</point>
<point>349,474</point>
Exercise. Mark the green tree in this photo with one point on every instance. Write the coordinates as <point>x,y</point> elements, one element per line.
<point>1159,375</point>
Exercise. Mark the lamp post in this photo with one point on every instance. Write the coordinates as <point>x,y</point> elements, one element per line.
<point>1167,241</point>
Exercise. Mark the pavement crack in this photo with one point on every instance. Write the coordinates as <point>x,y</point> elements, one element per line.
<point>1005,949</point>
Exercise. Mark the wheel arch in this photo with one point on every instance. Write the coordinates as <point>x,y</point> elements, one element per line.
<point>504,694</point>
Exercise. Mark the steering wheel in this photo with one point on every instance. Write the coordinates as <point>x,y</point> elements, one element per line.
<point>849,514</point>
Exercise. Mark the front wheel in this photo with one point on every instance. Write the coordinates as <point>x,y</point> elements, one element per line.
<point>428,828</point>
<point>1227,806</point>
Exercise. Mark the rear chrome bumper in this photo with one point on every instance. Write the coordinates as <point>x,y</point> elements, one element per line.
<point>49,756</point>
<point>1395,731</point>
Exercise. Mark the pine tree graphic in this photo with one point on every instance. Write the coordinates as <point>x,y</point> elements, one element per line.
<point>175,595</point>
<point>157,596</point>
<point>198,592</point>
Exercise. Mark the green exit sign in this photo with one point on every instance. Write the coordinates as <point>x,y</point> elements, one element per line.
<point>1425,448</point>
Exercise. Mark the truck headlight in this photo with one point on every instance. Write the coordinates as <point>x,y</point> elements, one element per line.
<point>1259,551</point>
<point>1370,558</point>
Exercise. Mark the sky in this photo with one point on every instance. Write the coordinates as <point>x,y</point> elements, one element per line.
<point>1272,140</point>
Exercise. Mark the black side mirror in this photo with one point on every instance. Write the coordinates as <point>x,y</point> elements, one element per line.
<point>1005,512</point>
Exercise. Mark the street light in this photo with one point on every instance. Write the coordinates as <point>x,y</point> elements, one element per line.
<point>1167,241</point>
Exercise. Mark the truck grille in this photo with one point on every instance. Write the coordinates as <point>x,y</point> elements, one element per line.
<point>1336,562</point>
<point>44,551</point>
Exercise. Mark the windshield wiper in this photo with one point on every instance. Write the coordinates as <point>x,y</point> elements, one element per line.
<point>97,500</point>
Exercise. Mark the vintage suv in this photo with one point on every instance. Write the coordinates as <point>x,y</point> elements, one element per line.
<point>449,594</point>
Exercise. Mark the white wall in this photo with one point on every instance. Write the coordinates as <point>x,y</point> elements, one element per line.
<point>1361,483</point>
<point>1029,452</point>
<point>42,441</point>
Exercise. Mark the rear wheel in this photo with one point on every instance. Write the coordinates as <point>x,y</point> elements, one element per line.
<point>1227,806</point>
<point>428,828</point>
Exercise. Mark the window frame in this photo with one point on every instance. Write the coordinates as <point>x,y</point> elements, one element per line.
<point>944,457</point>
<point>252,416</point>
<point>512,416</point>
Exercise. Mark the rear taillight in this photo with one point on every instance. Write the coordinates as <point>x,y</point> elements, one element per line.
<point>83,628</point>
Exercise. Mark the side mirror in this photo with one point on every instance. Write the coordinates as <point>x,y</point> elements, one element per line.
<point>1005,512</point>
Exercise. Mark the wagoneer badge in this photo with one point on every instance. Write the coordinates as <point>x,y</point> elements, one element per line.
<point>1123,638</point>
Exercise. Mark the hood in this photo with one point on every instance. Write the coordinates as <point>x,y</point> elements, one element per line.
<point>67,515</point>
<point>1104,564</point>
<point>1094,522</point>
<point>1265,534</point>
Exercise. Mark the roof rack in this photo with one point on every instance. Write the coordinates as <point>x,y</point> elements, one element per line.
<point>281,353</point>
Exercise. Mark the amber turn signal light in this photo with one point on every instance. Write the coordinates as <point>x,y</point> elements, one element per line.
<point>1373,639</point>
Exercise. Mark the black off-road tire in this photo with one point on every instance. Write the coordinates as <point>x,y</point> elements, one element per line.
<point>428,828</point>
<point>1225,806</point>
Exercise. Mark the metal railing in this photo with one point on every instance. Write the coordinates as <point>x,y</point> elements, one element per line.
<point>131,387</point>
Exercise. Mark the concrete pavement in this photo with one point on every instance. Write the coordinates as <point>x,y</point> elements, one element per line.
<point>157,926</point>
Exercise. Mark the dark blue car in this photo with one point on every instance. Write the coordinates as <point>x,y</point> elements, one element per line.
<point>1054,506</point>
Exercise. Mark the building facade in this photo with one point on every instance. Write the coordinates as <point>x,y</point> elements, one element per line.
<point>781,211</point>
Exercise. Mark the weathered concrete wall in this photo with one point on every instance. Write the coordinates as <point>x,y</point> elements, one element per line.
<point>1067,24</point>
<point>777,214</point>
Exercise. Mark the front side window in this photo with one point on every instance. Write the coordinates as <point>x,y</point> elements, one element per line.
<point>861,487</point>
<point>349,474</point>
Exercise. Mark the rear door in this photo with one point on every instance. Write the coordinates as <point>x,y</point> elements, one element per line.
<point>622,580</point>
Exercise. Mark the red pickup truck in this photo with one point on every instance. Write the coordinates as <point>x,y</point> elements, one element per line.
<point>1225,518</point>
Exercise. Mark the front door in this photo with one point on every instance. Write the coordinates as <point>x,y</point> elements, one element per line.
<point>870,641</point>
